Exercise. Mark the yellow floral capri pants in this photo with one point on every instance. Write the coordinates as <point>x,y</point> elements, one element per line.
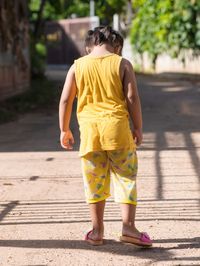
<point>97,167</point>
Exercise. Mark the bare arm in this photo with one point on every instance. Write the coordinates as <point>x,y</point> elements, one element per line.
<point>132,98</point>
<point>65,109</point>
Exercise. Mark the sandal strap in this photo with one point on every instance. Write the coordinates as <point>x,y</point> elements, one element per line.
<point>88,238</point>
<point>87,235</point>
<point>145,237</point>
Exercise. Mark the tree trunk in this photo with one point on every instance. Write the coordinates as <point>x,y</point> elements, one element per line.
<point>38,23</point>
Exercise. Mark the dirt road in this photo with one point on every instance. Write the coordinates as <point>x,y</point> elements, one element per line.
<point>43,215</point>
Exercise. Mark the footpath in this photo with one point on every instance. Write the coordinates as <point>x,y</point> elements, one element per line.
<point>43,214</point>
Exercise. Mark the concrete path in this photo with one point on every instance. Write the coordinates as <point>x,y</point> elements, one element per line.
<point>43,215</point>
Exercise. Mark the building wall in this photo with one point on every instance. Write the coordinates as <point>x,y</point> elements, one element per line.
<point>165,63</point>
<point>14,48</point>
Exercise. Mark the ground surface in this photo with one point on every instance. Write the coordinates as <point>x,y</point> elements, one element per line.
<point>43,215</point>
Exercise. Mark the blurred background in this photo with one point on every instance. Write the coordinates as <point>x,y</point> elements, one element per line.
<point>40,36</point>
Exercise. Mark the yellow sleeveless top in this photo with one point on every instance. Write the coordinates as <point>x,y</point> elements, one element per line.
<point>101,107</point>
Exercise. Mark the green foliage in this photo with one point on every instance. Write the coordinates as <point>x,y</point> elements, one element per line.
<point>38,59</point>
<point>77,7</point>
<point>43,10</point>
<point>166,26</point>
<point>106,9</point>
<point>61,9</point>
<point>41,49</point>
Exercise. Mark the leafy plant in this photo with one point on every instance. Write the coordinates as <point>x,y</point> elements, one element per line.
<point>43,10</point>
<point>169,26</point>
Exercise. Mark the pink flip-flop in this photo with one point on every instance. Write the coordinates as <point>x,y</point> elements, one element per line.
<point>143,241</point>
<point>91,241</point>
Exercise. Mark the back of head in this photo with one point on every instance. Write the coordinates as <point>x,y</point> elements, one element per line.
<point>111,36</point>
<point>117,42</point>
<point>89,38</point>
<point>104,35</point>
<point>117,39</point>
<point>89,41</point>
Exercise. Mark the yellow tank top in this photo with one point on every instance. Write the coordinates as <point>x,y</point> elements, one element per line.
<point>101,107</point>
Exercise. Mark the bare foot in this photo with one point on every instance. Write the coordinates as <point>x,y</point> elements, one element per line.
<point>96,235</point>
<point>130,230</point>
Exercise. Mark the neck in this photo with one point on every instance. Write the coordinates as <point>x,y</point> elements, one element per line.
<point>102,49</point>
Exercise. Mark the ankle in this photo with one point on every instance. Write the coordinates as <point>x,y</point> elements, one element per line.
<point>99,230</point>
<point>128,225</point>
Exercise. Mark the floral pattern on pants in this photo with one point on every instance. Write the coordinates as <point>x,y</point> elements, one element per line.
<point>97,168</point>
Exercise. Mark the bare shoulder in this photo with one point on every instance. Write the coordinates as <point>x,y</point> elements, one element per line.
<point>125,67</point>
<point>126,64</point>
<point>72,69</point>
<point>70,73</point>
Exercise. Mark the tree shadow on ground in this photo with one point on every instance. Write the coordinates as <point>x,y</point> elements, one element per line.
<point>168,105</point>
<point>69,212</point>
<point>155,253</point>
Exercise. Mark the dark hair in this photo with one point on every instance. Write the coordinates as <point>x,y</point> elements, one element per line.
<point>89,39</point>
<point>117,39</point>
<point>104,34</point>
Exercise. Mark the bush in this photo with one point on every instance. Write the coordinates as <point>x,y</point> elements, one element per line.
<point>38,60</point>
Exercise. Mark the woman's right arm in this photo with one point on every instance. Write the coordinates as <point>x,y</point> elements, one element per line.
<point>65,109</point>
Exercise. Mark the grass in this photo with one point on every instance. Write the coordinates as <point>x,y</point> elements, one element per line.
<point>42,95</point>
